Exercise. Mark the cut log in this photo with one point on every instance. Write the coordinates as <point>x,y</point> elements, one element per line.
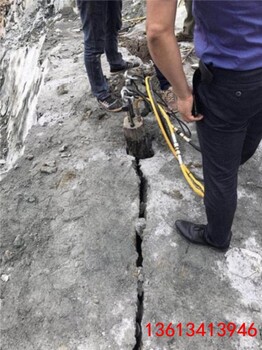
<point>139,143</point>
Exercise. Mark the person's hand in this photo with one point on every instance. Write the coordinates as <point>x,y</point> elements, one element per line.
<point>184,106</point>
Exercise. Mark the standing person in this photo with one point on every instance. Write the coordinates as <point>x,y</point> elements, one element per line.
<point>101,22</point>
<point>228,42</point>
<point>188,27</point>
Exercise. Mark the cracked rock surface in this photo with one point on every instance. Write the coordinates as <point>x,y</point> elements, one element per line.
<point>69,202</point>
<point>187,283</point>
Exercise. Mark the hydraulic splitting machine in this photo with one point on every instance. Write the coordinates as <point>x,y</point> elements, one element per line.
<point>138,142</point>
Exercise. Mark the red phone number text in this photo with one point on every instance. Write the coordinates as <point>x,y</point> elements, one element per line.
<point>189,329</point>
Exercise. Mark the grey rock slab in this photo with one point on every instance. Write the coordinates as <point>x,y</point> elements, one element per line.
<point>187,283</point>
<point>74,284</point>
<point>80,287</point>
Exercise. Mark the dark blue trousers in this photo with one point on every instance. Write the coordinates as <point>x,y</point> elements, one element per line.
<point>229,135</point>
<point>101,21</point>
<point>163,82</point>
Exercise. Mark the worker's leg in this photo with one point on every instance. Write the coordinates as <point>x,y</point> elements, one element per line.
<point>223,132</point>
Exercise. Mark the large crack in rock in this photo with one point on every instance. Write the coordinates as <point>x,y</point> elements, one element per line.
<point>140,226</point>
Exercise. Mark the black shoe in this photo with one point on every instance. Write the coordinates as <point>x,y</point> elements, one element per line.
<point>111,104</point>
<point>196,234</point>
<point>127,65</point>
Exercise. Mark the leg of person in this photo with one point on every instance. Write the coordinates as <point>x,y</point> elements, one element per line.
<point>94,18</point>
<point>222,137</point>
<point>253,137</point>
<point>163,82</point>
<point>93,15</point>
<point>189,20</point>
<point>114,24</point>
<point>189,23</point>
<point>221,154</point>
<point>167,93</point>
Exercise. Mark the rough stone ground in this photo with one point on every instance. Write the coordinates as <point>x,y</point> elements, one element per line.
<point>89,254</point>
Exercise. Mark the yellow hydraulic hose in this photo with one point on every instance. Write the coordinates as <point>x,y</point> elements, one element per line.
<point>184,168</point>
<point>197,186</point>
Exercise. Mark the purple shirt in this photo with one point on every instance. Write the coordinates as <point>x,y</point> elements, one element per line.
<point>228,34</point>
